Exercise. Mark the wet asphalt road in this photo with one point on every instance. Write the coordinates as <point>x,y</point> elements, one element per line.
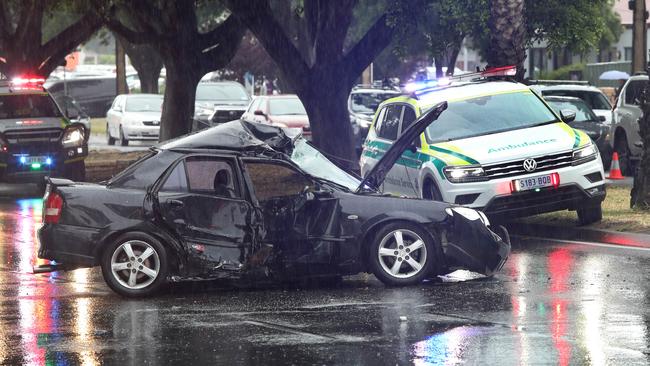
<point>553,303</point>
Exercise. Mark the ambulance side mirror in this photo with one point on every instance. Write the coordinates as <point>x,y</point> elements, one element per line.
<point>568,115</point>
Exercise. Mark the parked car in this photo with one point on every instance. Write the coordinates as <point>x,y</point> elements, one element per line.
<point>219,102</point>
<point>134,117</point>
<point>626,140</point>
<point>279,110</point>
<point>362,105</point>
<point>247,201</point>
<point>498,148</point>
<point>36,138</point>
<point>594,97</point>
<point>93,94</point>
<point>586,120</point>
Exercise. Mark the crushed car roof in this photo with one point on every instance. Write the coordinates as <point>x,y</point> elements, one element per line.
<point>236,135</point>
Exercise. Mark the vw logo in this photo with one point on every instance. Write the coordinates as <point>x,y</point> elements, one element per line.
<point>530,165</point>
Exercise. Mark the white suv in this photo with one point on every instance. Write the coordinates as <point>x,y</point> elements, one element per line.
<point>624,134</point>
<point>498,147</point>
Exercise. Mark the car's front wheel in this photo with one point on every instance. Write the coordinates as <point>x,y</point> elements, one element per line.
<point>123,140</point>
<point>589,214</point>
<point>135,265</point>
<point>110,139</point>
<point>402,254</point>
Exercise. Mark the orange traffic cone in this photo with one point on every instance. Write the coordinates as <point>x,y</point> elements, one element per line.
<point>615,169</point>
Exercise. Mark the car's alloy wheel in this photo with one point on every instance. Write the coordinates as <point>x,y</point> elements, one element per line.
<point>135,265</point>
<point>402,254</point>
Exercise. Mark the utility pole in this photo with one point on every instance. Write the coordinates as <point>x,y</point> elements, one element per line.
<point>639,42</point>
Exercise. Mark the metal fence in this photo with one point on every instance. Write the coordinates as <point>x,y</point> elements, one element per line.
<point>593,71</point>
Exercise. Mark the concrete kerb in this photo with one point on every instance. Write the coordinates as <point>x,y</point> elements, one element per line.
<point>580,234</point>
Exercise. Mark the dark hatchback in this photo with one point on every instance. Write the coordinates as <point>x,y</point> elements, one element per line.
<point>586,120</point>
<point>246,201</point>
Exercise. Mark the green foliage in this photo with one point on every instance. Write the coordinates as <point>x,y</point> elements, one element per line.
<point>562,73</point>
<point>106,59</point>
<point>580,25</point>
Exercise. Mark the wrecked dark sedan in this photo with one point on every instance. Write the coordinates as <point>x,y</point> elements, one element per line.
<point>247,201</point>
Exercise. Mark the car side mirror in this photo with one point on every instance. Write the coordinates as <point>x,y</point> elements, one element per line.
<point>259,113</point>
<point>602,118</point>
<point>568,115</point>
<point>72,114</point>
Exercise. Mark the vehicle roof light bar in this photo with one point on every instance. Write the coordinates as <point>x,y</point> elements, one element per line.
<point>24,83</point>
<point>426,86</point>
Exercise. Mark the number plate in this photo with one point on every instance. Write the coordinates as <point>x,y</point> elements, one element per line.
<point>540,181</point>
<point>35,159</point>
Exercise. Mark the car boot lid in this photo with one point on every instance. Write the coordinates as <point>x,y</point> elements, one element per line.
<point>377,174</point>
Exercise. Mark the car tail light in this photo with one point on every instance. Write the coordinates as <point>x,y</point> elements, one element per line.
<point>53,205</point>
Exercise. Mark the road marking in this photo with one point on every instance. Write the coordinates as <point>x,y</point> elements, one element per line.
<point>603,245</point>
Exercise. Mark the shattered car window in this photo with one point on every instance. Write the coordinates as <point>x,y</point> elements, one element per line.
<point>272,180</point>
<point>314,163</point>
<point>211,176</point>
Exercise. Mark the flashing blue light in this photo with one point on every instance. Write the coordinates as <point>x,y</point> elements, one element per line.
<point>48,161</point>
<point>426,84</point>
<point>23,160</point>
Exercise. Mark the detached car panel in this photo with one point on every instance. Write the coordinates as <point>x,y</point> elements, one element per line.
<point>247,201</point>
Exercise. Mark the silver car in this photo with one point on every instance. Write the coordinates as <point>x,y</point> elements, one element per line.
<point>624,133</point>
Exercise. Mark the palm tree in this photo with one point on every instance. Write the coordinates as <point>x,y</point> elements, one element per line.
<point>507,35</point>
<point>640,195</point>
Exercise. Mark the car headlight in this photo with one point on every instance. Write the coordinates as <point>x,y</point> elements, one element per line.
<point>585,154</point>
<point>468,213</point>
<point>465,173</point>
<point>73,136</point>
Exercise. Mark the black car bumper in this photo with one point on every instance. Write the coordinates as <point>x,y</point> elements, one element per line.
<point>472,245</point>
<point>569,197</point>
<point>13,170</point>
<point>71,245</point>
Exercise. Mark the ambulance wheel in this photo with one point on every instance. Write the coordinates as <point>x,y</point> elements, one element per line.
<point>430,191</point>
<point>589,214</point>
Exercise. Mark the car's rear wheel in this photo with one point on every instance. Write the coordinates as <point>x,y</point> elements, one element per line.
<point>123,140</point>
<point>589,214</point>
<point>402,254</point>
<point>623,150</point>
<point>135,265</point>
<point>110,139</point>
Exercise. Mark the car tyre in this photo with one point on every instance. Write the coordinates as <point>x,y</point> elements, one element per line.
<point>430,191</point>
<point>402,254</point>
<point>123,140</point>
<point>623,150</point>
<point>589,214</point>
<point>135,265</point>
<point>110,139</point>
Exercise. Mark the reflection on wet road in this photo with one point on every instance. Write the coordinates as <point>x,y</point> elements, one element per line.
<point>553,303</point>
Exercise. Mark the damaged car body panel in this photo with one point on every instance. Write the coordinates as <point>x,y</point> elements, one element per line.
<point>245,200</point>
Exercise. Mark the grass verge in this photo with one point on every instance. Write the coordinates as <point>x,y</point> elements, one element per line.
<point>617,215</point>
<point>98,126</point>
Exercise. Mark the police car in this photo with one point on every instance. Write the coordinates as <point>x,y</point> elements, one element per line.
<point>498,147</point>
<point>36,139</point>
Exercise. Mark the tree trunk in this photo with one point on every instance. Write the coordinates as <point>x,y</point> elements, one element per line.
<point>178,105</point>
<point>147,62</point>
<point>120,68</point>
<point>149,80</point>
<point>326,105</point>
<point>452,56</point>
<point>507,35</point>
